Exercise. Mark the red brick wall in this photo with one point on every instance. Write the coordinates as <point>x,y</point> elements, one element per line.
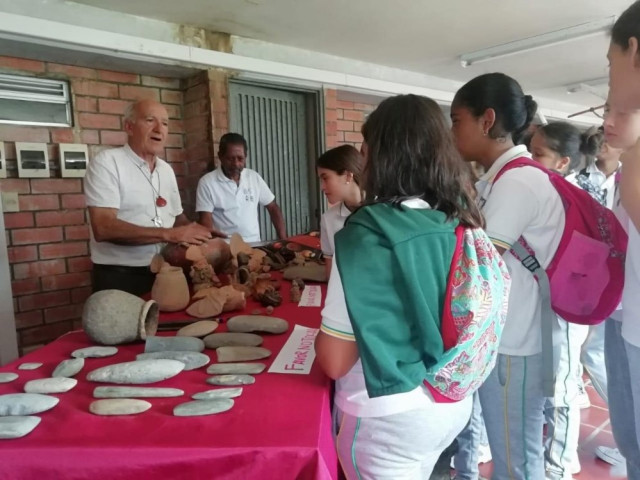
<point>48,238</point>
<point>205,119</point>
<point>343,120</point>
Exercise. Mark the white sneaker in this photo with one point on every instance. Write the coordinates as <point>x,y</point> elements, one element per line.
<point>582,399</point>
<point>575,467</point>
<point>484,453</point>
<point>610,455</point>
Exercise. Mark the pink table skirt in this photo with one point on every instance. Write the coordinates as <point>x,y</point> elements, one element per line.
<point>279,428</point>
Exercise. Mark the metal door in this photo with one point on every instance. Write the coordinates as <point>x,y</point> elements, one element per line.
<point>274,122</point>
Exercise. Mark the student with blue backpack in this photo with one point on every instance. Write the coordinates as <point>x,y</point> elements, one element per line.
<point>416,299</point>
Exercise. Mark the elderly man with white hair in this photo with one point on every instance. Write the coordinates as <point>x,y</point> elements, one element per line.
<point>134,204</point>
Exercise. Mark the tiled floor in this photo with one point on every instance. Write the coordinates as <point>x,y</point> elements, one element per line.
<point>595,431</point>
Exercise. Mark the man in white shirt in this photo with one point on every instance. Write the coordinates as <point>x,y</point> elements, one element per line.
<point>228,197</point>
<point>134,204</point>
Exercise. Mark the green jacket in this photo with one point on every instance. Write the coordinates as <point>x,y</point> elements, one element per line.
<point>394,264</point>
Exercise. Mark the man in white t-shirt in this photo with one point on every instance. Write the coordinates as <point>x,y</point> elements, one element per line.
<point>228,197</point>
<point>134,204</point>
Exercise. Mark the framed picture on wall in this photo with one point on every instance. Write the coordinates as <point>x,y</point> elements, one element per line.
<point>74,158</point>
<point>3,161</point>
<point>33,160</point>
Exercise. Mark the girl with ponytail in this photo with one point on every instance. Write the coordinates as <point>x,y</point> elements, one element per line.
<point>490,114</point>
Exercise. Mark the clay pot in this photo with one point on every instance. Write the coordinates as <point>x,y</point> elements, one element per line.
<point>216,251</point>
<point>170,289</point>
<point>113,317</point>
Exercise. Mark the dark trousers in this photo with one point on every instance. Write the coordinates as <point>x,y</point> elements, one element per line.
<point>135,280</point>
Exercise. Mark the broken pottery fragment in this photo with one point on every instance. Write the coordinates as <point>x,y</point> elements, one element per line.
<point>228,339</point>
<point>140,371</point>
<point>203,407</point>
<point>134,392</point>
<point>198,329</point>
<point>119,406</point>
<point>8,377</point>
<point>257,323</point>
<point>218,393</point>
<point>26,403</point>
<point>231,380</point>
<point>68,368</point>
<point>241,354</point>
<point>173,344</point>
<point>191,360</point>
<point>94,352</point>
<point>236,368</point>
<point>17,426</point>
<point>29,366</point>
<point>50,385</point>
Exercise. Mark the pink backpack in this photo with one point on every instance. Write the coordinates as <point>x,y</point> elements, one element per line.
<point>586,275</point>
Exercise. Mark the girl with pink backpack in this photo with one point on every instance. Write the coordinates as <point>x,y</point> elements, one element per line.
<point>489,115</point>
<point>561,147</point>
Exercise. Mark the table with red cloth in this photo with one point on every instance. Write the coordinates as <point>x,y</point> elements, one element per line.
<point>279,428</point>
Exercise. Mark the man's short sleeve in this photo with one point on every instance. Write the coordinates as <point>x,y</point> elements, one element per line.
<point>101,183</point>
<point>335,317</point>
<point>204,195</point>
<point>510,208</point>
<point>176,201</point>
<point>265,195</point>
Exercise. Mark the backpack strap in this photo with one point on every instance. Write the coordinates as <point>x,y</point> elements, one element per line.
<point>547,315</point>
<point>448,327</point>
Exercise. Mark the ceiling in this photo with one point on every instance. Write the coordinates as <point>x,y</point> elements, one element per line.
<point>421,36</point>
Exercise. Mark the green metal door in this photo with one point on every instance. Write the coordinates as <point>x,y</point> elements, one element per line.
<point>274,123</point>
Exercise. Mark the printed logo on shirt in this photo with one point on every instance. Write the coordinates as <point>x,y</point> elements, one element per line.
<point>248,194</point>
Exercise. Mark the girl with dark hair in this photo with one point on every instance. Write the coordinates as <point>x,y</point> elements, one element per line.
<point>622,331</point>
<point>624,58</point>
<point>339,171</point>
<point>561,147</point>
<point>382,320</point>
<point>489,115</point>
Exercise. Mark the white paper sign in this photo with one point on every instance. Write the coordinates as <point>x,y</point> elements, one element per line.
<point>311,296</point>
<point>298,354</point>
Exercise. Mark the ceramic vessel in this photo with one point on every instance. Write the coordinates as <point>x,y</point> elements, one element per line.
<point>170,290</point>
<point>114,317</point>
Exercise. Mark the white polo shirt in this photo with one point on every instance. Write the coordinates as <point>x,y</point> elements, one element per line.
<point>118,178</point>
<point>332,222</point>
<point>599,180</point>
<point>234,206</point>
<point>522,203</point>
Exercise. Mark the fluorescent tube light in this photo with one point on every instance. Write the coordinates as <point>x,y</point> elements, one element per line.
<point>539,41</point>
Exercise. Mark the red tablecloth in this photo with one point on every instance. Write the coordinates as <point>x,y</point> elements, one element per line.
<point>279,428</point>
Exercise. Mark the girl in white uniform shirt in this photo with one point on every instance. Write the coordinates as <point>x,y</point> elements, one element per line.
<point>622,338</point>
<point>339,171</point>
<point>490,114</point>
<point>561,147</point>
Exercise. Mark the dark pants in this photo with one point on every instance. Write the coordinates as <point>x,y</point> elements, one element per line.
<point>135,280</point>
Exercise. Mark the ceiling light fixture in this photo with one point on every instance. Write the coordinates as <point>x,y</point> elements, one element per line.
<point>539,41</point>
